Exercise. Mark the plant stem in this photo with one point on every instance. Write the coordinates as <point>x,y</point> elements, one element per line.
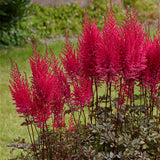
<point>96,87</point>
<point>110,94</point>
<point>33,144</point>
<point>105,114</point>
<point>84,117</point>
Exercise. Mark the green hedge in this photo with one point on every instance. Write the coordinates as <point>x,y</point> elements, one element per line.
<point>11,13</point>
<point>48,22</point>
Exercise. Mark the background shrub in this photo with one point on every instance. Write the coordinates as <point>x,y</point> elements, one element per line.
<point>54,21</point>
<point>12,12</point>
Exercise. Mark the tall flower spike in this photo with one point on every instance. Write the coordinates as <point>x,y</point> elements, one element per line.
<point>133,53</point>
<point>87,49</point>
<point>62,93</point>
<point>63,83</point>
<point>108,49</point>
<point>43,86</point>
<point>152,71</point>
<point>20,91</point>
<point>50,89</point>
<point>70,60</point>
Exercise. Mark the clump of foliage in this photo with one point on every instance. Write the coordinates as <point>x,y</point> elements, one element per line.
<point>64,109</point>
<point>12,12</point>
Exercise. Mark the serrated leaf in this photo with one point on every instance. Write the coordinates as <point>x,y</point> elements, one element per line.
<point>151,121</point>
<point>111,154</point>
<point>145,146</point>
<point>94,131</point>
<point>142,142</point>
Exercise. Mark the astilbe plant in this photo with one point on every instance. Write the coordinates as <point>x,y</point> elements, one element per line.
<point>44,99</point>
<point>121,57</point>
<point>87,49</point>
<point>153,61</point>
<point>151,73</point>
<point>133,53</point>
<point>107,56</point>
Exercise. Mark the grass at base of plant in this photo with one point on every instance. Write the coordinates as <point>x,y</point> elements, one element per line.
<point>10,121</point>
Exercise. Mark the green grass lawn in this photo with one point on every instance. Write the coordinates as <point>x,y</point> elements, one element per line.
<point>10,122</point>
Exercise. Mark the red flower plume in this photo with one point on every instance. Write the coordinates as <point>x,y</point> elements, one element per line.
<point>48,92</point>
<point>133,52</point>
<point>43,84</point>
<point>87,49</point>
<point>152,71</point>
<point>70,60</point>
<point>108,50</point>
<point>20,91</point>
